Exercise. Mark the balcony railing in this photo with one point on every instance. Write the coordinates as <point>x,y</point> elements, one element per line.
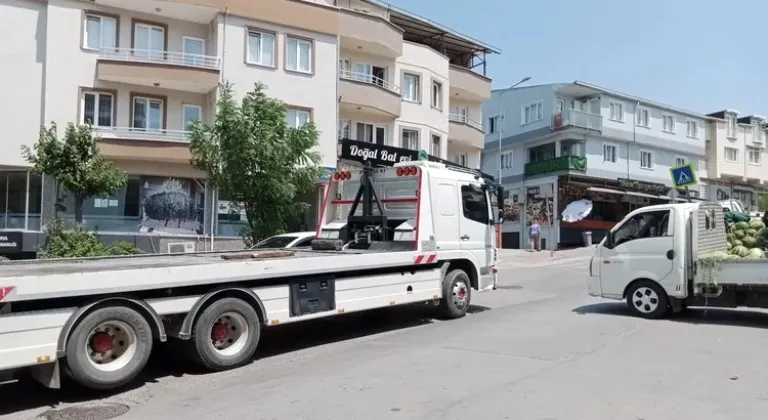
<point>161,57</point>
<point>148,134</point>
<point>368,78</point>
<point>579,119</point>
<point>562,163</point>
<point>463,119</point>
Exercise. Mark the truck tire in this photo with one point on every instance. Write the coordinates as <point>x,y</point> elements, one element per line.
<point>457,293</point>
<point>108,348</point>
<point>648,300</point>
<point>225,335</point>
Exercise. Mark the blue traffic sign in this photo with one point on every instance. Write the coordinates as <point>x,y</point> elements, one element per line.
<point>683,176</point>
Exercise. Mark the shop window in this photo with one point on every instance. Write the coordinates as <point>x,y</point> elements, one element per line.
<point>230,216</point>
<point>35,210</point>
<point>147,204</point>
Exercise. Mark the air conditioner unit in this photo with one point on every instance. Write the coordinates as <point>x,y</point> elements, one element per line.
<point>181,247</point>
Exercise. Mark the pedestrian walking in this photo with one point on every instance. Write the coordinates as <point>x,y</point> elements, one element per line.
<point>534,236</point>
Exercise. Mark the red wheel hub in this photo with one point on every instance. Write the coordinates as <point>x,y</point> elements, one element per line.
<point>101,342</point>
<point>462,293</point>
<point>219,331</point>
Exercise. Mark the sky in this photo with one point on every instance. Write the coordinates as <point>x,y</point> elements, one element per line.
<point>703,56</point>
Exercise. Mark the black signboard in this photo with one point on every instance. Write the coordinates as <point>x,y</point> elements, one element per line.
<point>10,242</point>
<point>642,186</point>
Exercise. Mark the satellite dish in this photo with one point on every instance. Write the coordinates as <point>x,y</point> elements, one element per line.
<point>577,210</point>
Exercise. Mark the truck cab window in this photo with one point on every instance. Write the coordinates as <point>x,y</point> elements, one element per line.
<point>650,224</point>
<point>475,204</point>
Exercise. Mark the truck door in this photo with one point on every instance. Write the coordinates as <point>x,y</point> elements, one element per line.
<point>475,229</point>
<point>642,248</point>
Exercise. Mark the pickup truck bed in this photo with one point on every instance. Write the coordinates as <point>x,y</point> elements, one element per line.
<point>735,273</point>
<point>73,277</point>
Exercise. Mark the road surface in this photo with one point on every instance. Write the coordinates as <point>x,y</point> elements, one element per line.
<point>537,349</point>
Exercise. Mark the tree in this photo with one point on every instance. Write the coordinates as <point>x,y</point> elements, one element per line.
<point>251,154</point>
<point>75,163</point>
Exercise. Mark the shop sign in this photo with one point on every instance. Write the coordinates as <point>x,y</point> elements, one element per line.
<point>642,186</point>
<point>377,154</point>
<point>10,242</point>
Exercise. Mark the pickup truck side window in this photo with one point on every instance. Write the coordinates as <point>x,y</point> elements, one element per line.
<point>475,204</point>
<point>652,224</point>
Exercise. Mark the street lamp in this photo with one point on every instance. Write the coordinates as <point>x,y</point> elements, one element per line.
<point>499,122</point>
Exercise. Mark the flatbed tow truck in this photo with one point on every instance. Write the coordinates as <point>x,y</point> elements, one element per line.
<point>418,232</point>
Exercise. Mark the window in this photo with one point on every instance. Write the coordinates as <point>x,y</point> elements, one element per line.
<point>679,161</point>
<point>297,118</point>
<point>345,129</point>
<point>668,123</point>
<point>609,153</point>
<point>753,153</point>
<point>560,105</point>
<point>410,139</point>
<point>298,55</point>
<point>506,160</point>
<point>643,118</point>
<point>194,49</point>
<point>149,41</point>
<point>411,87</point>
<point>261,49</point>
<point>475,204</point>
<point>730,125</point>
<point>616,111</point>
<point>533,112</point>
<point>646,159</point>
<point>652,224</point>
<point>435,150</point>
<point>493,124</point>
<point>20,199</point>
<point>98,109</point>
<point>692,130</point>
<point>371,133</point>
<point>304,243</point>
<point>190,113</point>
<point>148,113</point>
<point>437,95</point>
<point>731,154</point>
<point>460,113</point>
<point>757,132</point>
<point>460,159</point>
<point>100,32</point>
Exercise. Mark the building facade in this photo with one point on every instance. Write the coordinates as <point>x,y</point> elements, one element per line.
<point>584,141</point>
<point>141,72</point>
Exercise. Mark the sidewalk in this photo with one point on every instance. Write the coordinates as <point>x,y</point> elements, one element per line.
<point>522,257</point>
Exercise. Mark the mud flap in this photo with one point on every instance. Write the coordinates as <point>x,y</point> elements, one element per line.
<point>48,374</point>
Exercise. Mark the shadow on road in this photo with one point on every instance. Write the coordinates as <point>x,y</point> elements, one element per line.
<point>698,315</point>
<point>166,360</point>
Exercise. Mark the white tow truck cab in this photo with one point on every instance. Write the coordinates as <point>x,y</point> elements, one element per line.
<point>420,232</point>
<point>656,259</point>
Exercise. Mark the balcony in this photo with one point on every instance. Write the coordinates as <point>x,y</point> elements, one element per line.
<point>136,144</point>
<point>369,34</point>
<point>163,69</point>
<point>466,131</point>
<point>468,85</point>
<point>562,163</point>
<point>576,119</point>
<point>365,93</point>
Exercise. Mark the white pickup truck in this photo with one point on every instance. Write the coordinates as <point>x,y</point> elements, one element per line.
<point>656,259</point>
<point>420,232</point>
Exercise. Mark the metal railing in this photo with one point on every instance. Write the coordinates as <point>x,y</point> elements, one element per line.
<point>368,78</point>
<point>161,57</point>
<point>460,118</point>
<point>579,119</point>
<point>148,134</point>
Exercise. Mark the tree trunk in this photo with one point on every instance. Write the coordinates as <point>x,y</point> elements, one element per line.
<point>79,210</point>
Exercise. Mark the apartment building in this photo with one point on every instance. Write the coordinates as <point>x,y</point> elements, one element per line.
<point>408,82</point>
<point>736,163</point>
<point>586,141</point>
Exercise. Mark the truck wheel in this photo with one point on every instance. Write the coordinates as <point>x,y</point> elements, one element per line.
<point>225,334</point>
<point>648,300</point>
<point>457,293</point>
<point>108,348</point>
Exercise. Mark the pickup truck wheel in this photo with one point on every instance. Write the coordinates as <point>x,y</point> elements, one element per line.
<point>225,334</point>
<point>108,348</point>
<point>457,294</point>
<point>648,300</point>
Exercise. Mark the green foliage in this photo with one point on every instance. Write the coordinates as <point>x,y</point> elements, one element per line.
<point>78,243</point>
<point>251,155</point>
<point>762,201</point>
<point>75,164</point>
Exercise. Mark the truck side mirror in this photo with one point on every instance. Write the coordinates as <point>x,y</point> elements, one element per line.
<point>609,240</point>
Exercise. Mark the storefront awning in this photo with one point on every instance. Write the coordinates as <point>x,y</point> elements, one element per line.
<point>606,190</point>
<point>639,194</point>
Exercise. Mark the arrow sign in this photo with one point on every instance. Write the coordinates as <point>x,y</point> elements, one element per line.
<point>683,176</point>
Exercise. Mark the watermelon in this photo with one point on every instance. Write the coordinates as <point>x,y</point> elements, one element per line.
<point>751,232</point>
<point>742,225</point>
<point>749,241</point>
<point>756,224</point>
<point>754,254</point>
<point>740,250</point>
<point>739,234</point>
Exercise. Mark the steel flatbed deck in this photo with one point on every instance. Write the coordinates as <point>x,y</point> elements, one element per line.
<point>42,279</point>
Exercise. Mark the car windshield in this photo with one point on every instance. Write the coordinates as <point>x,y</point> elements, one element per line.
<point>275,242</point>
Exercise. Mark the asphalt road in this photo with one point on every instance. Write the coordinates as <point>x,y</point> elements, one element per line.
<point>537,349</point>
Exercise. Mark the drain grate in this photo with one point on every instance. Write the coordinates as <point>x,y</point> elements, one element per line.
<point>92,412</point>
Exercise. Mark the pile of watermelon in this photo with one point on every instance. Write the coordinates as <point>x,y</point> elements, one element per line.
<point>746,238</point>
